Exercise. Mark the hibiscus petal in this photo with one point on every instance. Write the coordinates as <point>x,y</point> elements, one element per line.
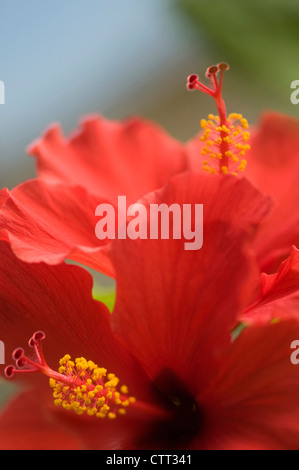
<point>30,422</point>
<point>4,194</point>
<point>255,395</point>
<point>110,158</point>
<point>194,148</point>
<point>273,166</point>
<point>279,295</point>
<point>25,425</point>
<point>51,223</point>
<point>174,308</point>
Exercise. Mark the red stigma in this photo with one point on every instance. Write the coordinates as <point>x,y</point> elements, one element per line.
<point>215,74</point>
<point>24,363</point>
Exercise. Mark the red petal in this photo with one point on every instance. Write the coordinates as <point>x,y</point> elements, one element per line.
<point>273,166</point>
<point>110,158</point>
<point>4,194</point>
<point>30,421</point>
<point>52,223</point>
<point>25,425</point>
<point>279,297</point>
<point>255,396</point>
<point>195,158</point>
<point>174,308</point>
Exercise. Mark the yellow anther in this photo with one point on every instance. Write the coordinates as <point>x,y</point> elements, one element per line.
<point>223,129</point>
<point>100,401</point>
<point>64,359</point>
<point>206,135</point>
<point>224,170</point>
<point>112,383</point>
<point>225,145</point>
<point>242,165</point>
<point>235,117</point>
<point>52,382</point>
<point>88,393</point>
<point>124,390</point>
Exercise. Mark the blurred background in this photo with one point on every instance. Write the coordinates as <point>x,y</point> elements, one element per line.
<point>63,59</point>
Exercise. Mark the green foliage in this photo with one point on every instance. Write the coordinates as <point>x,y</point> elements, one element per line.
<point>6,390</point>
<point>105,295</point>
<point>260,37</point>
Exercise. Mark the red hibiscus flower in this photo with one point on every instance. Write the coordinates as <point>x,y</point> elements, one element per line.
<point>52,218</point>
<point>188,383</point>
<point>184,377</point>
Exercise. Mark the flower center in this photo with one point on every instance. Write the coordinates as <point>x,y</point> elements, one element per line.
<point>81,385</point>
<point>186,421</point>
<point>225,138</point>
